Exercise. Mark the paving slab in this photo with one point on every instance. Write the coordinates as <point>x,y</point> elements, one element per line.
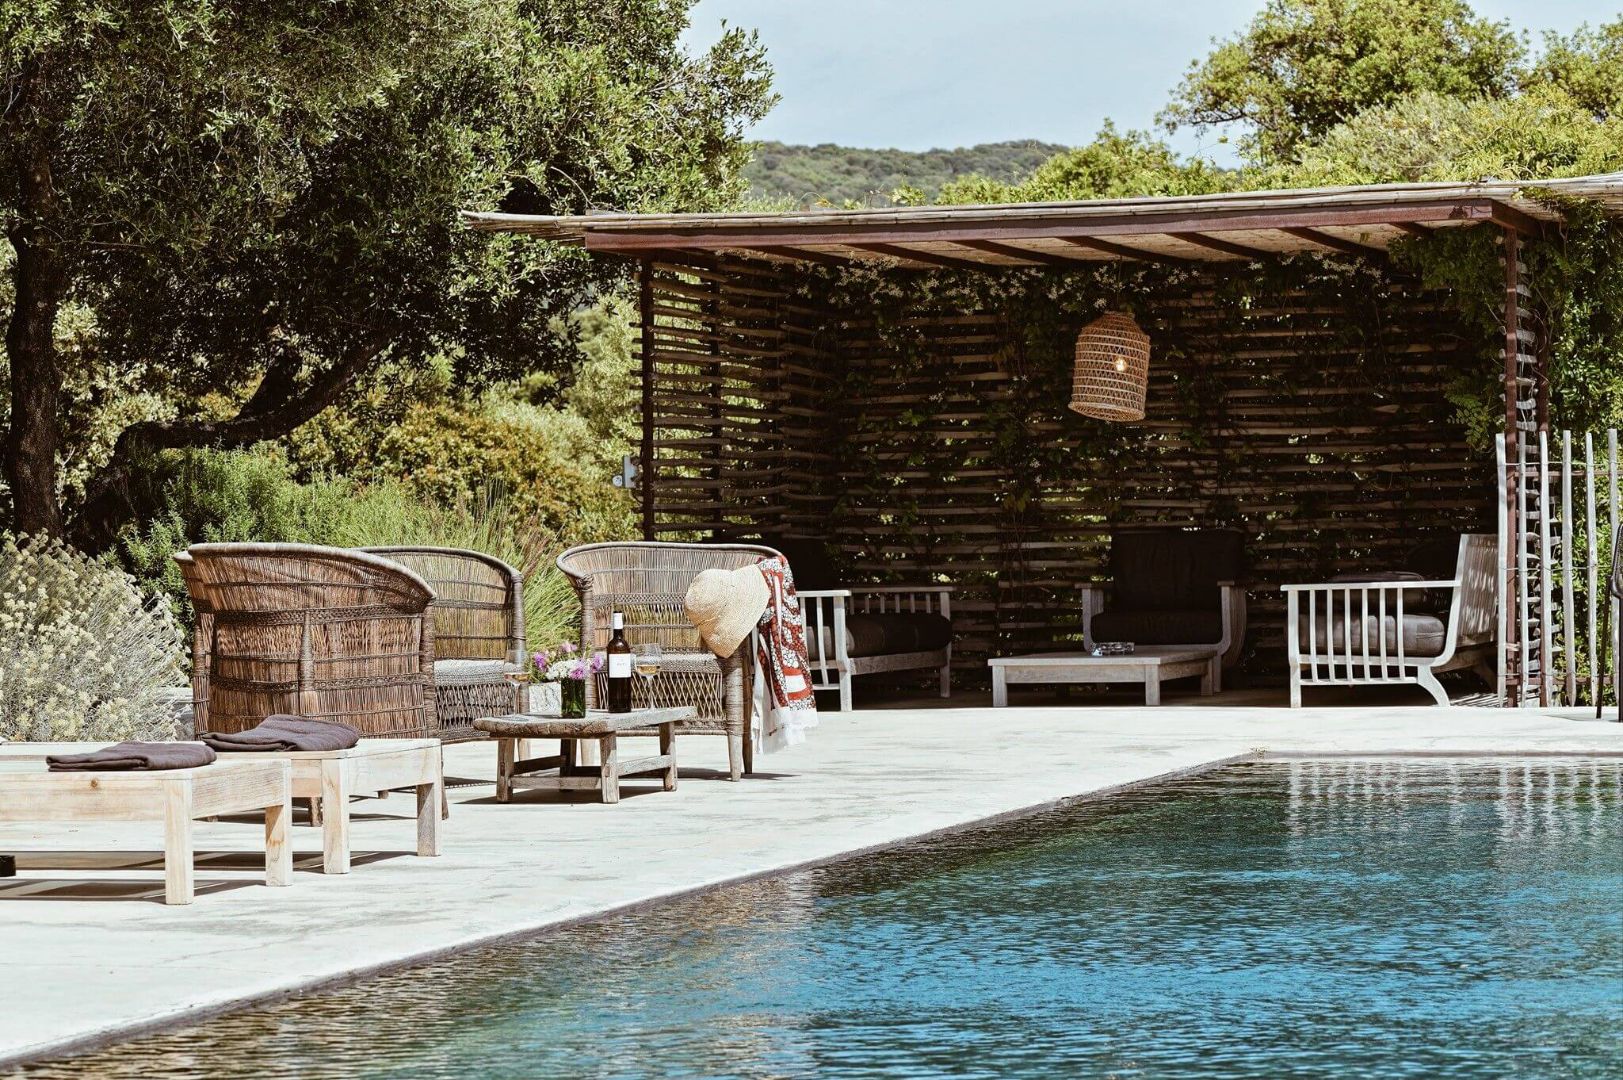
<point>99,968</point>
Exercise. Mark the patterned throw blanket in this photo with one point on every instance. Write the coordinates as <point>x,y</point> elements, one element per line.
<point>784,702</point>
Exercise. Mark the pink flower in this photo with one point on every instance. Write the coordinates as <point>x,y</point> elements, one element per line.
<point>598,660</point>
<point>569,648</point>
<point>541,659</point>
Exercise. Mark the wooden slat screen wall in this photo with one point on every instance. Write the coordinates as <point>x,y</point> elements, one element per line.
<point>737,382</point>
<point>1320,428</point>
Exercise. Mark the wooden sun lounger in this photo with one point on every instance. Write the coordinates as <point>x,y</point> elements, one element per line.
<point>369,767</point>
<point>177,797</point>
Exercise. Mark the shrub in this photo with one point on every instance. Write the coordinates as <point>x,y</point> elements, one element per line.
<point>214,496</point>
<point>83,655</point>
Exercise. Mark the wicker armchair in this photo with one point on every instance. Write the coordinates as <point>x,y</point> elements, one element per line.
<point>316,631</point>
<point>647,581</point>
<point>478,617</point>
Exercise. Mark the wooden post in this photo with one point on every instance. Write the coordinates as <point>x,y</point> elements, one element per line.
<point>645,467</point>
<point>1513,678</point>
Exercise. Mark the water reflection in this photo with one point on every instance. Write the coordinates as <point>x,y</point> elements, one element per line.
<point>1392,918</point>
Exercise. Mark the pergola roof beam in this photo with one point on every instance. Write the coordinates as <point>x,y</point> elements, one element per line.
<point>1333,243</point>
<point>1227,247</point>
<point>1122,251</point>
<point>1039,258</point>
<point>929,258</point>
<point>804,254</point>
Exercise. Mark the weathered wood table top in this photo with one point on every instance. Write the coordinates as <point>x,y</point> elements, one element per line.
<point>1142,656</point>
<point>595,724</point>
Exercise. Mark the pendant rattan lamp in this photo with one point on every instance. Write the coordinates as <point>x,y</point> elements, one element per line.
<point>1112,368</point>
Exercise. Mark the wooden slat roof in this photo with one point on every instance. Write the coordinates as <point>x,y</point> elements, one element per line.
<point>1229,226</point>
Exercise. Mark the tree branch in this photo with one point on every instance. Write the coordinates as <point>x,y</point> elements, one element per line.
<point>276,408</point>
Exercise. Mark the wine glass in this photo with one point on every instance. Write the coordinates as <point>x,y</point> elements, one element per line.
<point>645,660</point>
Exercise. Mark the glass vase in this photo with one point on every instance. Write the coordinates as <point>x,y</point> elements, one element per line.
<point>572,694</point>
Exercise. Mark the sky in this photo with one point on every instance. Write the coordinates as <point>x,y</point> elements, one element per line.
<point>917,74</point>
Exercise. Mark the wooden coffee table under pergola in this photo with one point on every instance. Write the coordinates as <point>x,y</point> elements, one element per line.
<point>1149,664</point>
<point>562,771</point>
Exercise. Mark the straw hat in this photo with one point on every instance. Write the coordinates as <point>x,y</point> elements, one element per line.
<point>725,605</point>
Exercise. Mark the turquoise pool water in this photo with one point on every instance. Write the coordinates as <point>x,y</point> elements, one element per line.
<point>1397,918</point>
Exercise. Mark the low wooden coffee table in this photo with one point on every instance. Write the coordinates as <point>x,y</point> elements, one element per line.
<point>31,793</point>
<point>604,727</point>
<point>1149,664</point>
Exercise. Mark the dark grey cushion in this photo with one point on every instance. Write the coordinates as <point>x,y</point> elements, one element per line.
<point>1422,635</point>
<point>1413,599</point>
<point>809,560</point>
<point>1173,569</point>
<point>1435,559</point>
<point>887,634</point>
<point>1199,627</point>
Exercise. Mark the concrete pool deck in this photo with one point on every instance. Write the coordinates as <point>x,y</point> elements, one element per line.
<point>89,964</point>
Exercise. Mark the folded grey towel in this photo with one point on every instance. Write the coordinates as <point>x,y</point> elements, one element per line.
<point>283,733</point>
<point>128,756</point>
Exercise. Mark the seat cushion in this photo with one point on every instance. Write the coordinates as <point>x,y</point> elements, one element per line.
<point>1434,559</point>
<point>1413,599</point>
<point>1173,569</point>
<point>1185,627</point>
<point>1423,635</point>
<point>889,633</point>
<point>808,560</point>
<point>472,671</point>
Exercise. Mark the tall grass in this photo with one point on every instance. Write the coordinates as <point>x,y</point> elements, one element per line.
<point>216,496</point>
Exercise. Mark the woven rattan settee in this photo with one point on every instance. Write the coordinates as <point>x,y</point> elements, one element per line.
<point>478,621</point>
<point>647,581</point>
<point>320,632</point>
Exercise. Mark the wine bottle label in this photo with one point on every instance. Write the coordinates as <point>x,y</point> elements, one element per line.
<point>619,665</point>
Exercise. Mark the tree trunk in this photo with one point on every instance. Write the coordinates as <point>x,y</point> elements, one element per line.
<point>41,276</point>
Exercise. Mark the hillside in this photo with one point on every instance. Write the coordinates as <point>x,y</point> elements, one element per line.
<point>808,174</point>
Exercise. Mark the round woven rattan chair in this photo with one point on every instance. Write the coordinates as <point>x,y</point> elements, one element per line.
<point>647,581</point>
<point>478,617</point>
<point>314,631</point>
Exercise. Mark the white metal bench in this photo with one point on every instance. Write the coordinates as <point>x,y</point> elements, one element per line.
<point>826,609</point>
<point>1329,628</point>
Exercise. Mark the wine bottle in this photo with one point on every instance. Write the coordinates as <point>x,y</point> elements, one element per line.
<point>619,654</point>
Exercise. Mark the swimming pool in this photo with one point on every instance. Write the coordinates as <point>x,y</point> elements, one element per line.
<point>1361,918</point>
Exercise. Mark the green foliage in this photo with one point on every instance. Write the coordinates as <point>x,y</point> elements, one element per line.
<point>1304,66</point>
<point>1587,65</point>
<point>837,175</point>
<point>83,654</point>
<point>1430,136</point>
<point>220,497</point>
<point>549,444</point>
<point>264,200</point>
<point>214,496</point>
<point>1577,279</point>
<point>606,385</point>
<point>1114,165</point>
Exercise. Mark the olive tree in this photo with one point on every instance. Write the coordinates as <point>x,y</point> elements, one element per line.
<point>257,203</point>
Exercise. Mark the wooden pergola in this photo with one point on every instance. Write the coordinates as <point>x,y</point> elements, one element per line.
<point>748,422</point>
